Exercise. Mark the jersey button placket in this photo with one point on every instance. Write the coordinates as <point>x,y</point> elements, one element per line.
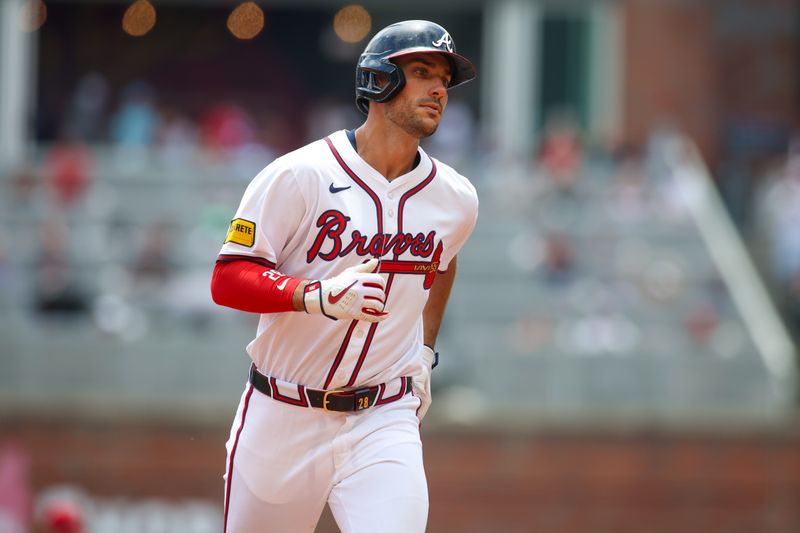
<point>390,211</point>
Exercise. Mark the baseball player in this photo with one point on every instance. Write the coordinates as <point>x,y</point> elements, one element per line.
<point>347,249</point>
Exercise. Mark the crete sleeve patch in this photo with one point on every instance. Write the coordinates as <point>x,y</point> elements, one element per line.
<point>242,232</point>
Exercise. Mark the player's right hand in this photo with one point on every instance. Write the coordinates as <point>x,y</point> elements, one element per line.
<point>422,382</point>
<point>358,293</point>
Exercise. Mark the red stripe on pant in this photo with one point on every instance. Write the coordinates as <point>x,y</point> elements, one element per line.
<point>230,461</point>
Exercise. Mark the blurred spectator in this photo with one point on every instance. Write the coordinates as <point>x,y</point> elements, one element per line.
<point>701,322</point>
<point>55,286</point>
<point>559,259</point>
<point>328,115</point>
<point>62,509</point>
<point>23,183</point>
<point>133,127</point>
<point>68,167</point>
<point>792,306</point>
<point>531,331</point>
<point>88,108</point>
<point>750,144</point>
<point>784,207</point>
<point>601,332</point>
<point>62,516</point>
<point>628,191</point>
<point>271,137</point>
<point>557,202</point>
<point>560,153</point>
<point>177,137</point>
<point>229,131</point>
<point>6,283</point>
<point>153,267</point>
<point>780,217</point>
<point>279,131</point>
<point>176,129</point>
<point>15,491</point>
<point>136,120</point>
<point>226,127</point>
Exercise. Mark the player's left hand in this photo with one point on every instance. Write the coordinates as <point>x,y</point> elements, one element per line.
<point>358,293</point>
<point>421,383</point>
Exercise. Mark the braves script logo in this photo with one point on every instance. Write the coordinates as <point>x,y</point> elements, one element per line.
<point>445,41</point>
<point>329,244</point>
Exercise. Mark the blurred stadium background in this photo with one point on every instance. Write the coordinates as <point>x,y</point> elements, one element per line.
<point>619,354</point>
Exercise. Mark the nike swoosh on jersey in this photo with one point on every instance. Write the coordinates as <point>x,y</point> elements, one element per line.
<point>333,189</point>
<point>282,285</point>
<point>333,298</point>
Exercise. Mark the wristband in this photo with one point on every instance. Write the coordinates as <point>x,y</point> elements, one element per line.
<point>435,356</point>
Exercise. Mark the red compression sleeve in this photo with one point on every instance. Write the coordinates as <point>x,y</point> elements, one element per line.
<point>251,287</point>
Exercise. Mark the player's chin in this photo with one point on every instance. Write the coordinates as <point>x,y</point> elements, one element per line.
<point>431,131</point>
<point>428,125</point>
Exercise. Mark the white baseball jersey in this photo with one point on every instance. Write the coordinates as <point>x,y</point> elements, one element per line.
<point>320,209</point>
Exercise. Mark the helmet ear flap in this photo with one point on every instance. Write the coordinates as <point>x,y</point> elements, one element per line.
<point>370,88</point>
<point>366,79</point>
<point>371,82</point>
<point>397,80</point>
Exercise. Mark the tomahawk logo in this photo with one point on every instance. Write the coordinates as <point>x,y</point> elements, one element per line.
<point>445,41</point>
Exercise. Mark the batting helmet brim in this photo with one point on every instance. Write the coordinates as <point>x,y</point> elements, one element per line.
<point>463,69</point>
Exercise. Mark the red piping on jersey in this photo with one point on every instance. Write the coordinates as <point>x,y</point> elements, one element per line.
<point>434,264</point>
<point>302,402</point>
<point>421,185</point>
<point>400,206</point>
<point>230,461</point>
<point>338,359</point>
<point>236,257</point>
<point>360,183</point>
<point>368,341</point>
<point>379,212</point>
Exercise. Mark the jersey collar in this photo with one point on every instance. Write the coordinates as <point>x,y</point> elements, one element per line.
<point>373,177</point>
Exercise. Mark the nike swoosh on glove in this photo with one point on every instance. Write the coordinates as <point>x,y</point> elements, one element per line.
<point>358,293</point>
<point>421,383</point>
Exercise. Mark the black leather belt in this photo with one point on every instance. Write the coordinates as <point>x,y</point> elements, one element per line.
<point>329,400</point>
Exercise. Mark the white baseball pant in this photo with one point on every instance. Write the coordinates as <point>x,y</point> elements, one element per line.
<point>289,460</point>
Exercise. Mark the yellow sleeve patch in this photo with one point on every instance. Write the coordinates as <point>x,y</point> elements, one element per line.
<point>242,232</point>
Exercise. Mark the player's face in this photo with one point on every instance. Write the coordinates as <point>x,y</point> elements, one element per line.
<point>419,106</point>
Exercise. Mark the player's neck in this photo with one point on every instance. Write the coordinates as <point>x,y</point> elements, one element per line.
<point>390,151</point>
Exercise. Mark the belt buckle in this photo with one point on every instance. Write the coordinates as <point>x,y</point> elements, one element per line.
<point>325,398</point>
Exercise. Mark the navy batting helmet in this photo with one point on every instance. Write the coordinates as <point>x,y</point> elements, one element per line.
<point>401,38</point>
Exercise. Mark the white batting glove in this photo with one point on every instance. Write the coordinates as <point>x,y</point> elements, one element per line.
<point>421,383</point>
<point>358,293</point>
